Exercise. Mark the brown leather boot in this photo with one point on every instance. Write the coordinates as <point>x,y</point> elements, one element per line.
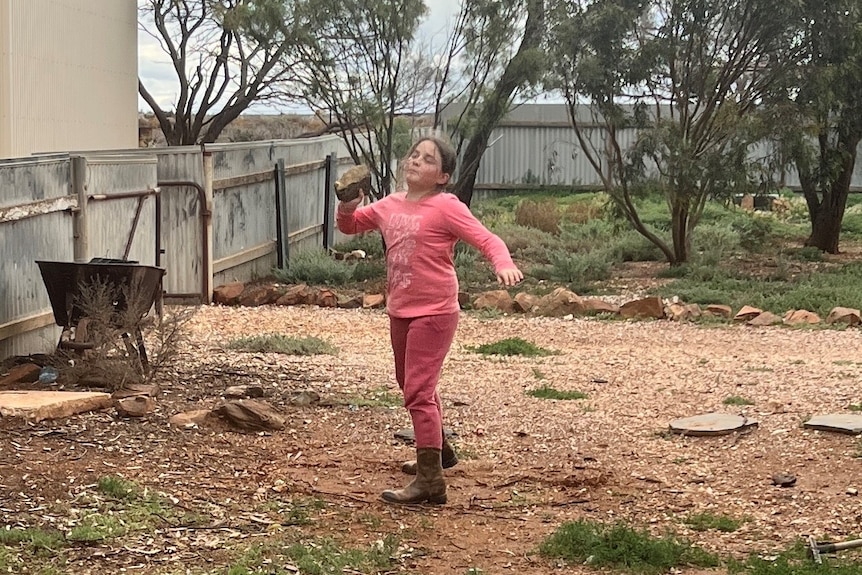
<point>428,486</point>
<point>447,454</point>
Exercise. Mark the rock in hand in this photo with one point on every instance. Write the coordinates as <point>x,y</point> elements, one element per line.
<point>357,178</point>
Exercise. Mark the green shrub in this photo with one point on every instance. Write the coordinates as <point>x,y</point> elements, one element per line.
<point>315,267</point>
<point>277,343</point>
<point>753,231</point>
<point>528,244</point>
<point>851,224</point>
<point>511,346</point>
<point>634,247</point>
<point>586,237</point>
<point>370,243</point>
<point>714,242</point>
<point>368,269</point>
<point>470,265</point>
<point>580,267</point>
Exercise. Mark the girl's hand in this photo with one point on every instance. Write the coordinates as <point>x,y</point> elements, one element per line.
<point>510,276</point>
<point>354,203</point>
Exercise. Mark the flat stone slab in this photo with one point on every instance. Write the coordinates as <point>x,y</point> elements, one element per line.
<point>849,423</point>
<point>711,424</point>
<point>41,405</point>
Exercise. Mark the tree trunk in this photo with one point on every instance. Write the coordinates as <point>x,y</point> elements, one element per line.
<point>826,221</point>
<point>679,232</point>
<point>497,103</point>
<point>828,213</point>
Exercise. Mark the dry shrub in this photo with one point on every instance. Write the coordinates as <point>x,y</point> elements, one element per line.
<point>113,320</point>
<point>582,212</point>
<point>543,215</point>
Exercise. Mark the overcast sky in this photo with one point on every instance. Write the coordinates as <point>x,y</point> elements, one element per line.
<point>156,71</point>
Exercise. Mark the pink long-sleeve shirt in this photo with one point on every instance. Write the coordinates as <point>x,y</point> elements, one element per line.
<point>420,239</point>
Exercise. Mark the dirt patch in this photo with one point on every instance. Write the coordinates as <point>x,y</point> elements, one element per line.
<point>527,465</point>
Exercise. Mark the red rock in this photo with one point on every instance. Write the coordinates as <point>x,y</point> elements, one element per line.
<point>228,294</point>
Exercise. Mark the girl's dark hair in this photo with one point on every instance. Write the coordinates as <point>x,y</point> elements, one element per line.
<point>448,156</point>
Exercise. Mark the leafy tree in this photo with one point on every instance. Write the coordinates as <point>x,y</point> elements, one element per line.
<point>826,95</point>
<point>358,66</point>
<point>226,54</point>
<point>492,77</point>
<point>672,88</point>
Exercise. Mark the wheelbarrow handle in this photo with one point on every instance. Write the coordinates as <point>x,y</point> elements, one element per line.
<point>833,547</point>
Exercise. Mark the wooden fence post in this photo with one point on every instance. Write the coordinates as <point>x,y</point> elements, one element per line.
<point>80,227</point>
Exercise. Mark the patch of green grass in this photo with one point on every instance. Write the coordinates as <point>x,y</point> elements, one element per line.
<point>277,343</point>
<point>300,512</point>
<point>807,254</point>
<point>370,520</point>
<point>855,407</point>
<point>737,400</point>
<point>707,521</point>
<point>794,561</point>
<point>98,527</point>
<point>118,488</point>
<point>326,556</point>
<point>546,392</point>
<point>622,548</point>
<point>489,313</point>
<point>512,346</point>
<point>33,539</point>
<point>380,397</point>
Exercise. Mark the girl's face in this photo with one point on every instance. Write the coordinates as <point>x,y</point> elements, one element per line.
<point>423,168</point>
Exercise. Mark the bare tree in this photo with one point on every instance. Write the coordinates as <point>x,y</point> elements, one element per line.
<point>226,55</point>
<point>487,28</point>
<point>357,66</point>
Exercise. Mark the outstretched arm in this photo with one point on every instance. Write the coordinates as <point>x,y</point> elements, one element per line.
<point>466,227</point>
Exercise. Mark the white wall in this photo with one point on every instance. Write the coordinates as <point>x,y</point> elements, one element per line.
<point>68,75</point>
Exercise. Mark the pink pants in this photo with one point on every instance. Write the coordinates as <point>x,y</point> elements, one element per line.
<point>420,345</point>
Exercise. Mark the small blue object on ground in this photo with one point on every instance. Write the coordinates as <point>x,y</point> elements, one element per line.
<point>48,374</point>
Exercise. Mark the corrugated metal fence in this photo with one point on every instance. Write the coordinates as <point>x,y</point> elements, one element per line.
<point>535,146</point>
<point>208,215</point>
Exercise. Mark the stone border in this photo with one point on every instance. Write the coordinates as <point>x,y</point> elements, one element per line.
<point>559,303</point>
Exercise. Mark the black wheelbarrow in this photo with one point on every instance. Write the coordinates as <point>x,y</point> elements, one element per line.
<point>104,296</point>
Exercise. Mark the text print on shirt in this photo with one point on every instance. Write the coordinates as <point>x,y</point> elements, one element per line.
<point>402,231</point>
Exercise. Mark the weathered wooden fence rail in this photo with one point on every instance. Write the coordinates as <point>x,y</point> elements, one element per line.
<point>208,215</point>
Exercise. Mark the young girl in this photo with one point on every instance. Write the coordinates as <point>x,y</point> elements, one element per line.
<point>420,227</point>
